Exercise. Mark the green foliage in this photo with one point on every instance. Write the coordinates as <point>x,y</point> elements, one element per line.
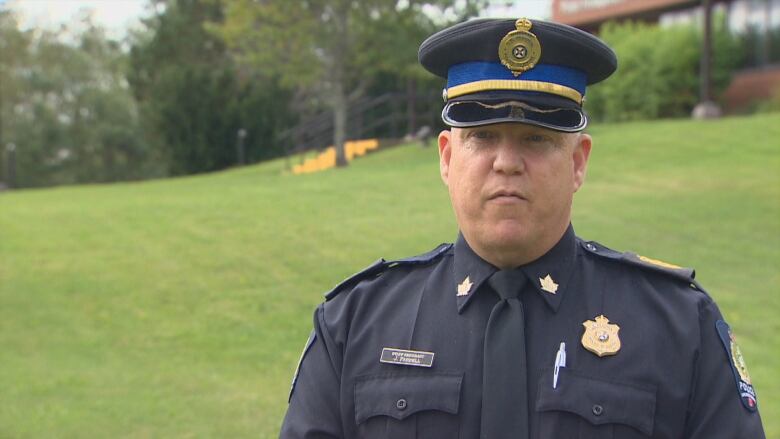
<point>658,71</point>
<point>330,51</point>
<point>179,308</point>
<point>67,109</point>
<point>193,98</point>
<point>770,105</point>
<point>312,42</point>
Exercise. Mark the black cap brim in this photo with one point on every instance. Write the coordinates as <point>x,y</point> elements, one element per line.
<point>541,109</point>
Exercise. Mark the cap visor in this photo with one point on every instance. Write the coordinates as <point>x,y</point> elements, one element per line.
<point>539,109</point>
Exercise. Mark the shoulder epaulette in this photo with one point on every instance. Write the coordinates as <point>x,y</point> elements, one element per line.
<point>381,265</point>
<point>682,273</point>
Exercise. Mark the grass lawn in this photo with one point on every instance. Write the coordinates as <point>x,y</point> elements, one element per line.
<point>178,308</point>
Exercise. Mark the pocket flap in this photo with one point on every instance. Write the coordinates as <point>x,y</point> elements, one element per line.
<point>598,401</point>
<point>401,396</point>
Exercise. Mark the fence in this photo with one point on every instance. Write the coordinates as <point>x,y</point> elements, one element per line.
<point>388,116</point>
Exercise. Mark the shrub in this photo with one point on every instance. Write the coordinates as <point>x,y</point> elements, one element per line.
<point>658,71</point>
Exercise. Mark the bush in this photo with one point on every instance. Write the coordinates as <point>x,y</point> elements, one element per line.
<point>770,105</point>
<point>658,71</point>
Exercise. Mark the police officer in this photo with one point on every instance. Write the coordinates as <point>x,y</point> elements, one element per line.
<point>519,329</point>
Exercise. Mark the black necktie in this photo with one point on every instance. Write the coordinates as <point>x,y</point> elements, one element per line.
<point>504,381</point>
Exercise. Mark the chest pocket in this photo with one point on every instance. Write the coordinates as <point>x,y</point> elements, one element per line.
<point>408,406</point>
<point>583,408</point>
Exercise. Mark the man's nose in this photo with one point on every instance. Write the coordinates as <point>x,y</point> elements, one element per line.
<point>509,158</point>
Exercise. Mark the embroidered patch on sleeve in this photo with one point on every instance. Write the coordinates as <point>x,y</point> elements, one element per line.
<point>744,387</point>
<point>309,342</point>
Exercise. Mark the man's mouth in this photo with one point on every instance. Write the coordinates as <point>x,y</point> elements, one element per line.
<point>507,195</point>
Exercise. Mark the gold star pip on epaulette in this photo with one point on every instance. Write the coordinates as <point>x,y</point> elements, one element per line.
<point>601,337</point>
<point>744,386</point>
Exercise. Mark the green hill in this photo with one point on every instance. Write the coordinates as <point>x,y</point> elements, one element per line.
<point>178,308</point>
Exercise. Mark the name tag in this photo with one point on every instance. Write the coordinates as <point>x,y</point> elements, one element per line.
<point>405,357</point>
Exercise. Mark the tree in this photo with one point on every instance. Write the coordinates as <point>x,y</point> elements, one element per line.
<point>659,70</point>
<point>194,101</point>
<point>328,50</point>
<point>14,46</point>
<point>66,106</point>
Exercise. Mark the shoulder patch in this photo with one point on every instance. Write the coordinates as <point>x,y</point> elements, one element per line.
<point>381,265</point>
<point>309,342</point>
<point>682,273</point>
<point>744,386</point>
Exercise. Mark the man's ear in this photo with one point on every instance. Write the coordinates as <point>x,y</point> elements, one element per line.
<point>445,152</point>
<point>580,157</point>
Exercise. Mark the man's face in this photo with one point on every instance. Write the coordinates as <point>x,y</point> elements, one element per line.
<point>511,187</point>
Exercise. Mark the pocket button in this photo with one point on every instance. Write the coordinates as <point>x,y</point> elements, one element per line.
<point>597,410</point>
<point>401,404</point>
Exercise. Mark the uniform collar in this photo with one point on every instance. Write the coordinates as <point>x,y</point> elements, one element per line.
<point>471,271</point>
<point>558,264</point>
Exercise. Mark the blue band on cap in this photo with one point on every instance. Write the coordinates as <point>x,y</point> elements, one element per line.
<point>473,71</point>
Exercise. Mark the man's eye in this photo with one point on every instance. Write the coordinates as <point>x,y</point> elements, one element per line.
<point>536,138</point>
<point>482,134</point>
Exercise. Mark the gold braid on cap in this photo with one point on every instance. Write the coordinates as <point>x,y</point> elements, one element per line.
<point>519,51</point>
<point>514,85</point>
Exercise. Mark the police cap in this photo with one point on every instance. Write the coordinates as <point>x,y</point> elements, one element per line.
<point>506,70</point>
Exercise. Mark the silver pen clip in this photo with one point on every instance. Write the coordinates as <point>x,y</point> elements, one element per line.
<point>560,361</point>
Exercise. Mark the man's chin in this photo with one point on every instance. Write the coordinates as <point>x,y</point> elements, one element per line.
<point>506,236</point>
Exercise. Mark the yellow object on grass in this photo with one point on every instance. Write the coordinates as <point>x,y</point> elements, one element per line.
<point>327,158</point>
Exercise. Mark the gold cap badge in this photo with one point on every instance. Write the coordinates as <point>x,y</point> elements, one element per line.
<point>520,50</point>
<point>465,286</point>
<point>601,337</point>
<point>548,284</point>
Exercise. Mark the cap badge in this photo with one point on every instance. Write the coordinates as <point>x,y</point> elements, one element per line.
<point>465,286</point>
<point>601,337</point>
<point>520,50</point>
<point>548,284</point>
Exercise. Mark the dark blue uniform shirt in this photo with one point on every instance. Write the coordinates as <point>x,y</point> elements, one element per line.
<point>671,378</point>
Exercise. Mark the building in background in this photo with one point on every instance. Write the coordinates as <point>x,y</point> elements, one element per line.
<point>539,9</point>
<point>756,21</point>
